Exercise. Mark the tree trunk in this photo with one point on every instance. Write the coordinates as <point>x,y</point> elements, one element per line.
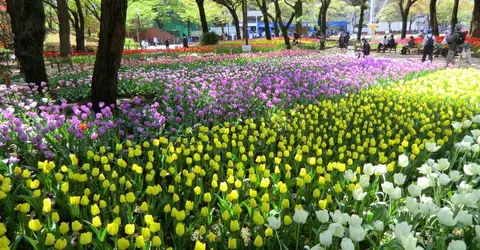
<point>360,21</point>
<point>64,23</point>
<point>476,20</point>
<point>286,38</point>
<point>50,21</point>
<point>236,22</point>
<point>245,21</point>
<point>323,10</point>
<point>28,25</point>
<point>276,30</point>
<point>80,35</point>
<point>433,18</point>
<point>189,28</point>
<point>389,27</point>
<point>454,15</point>
<point>298,14</point>
<point>203,17</point>
<point>109,54</point>
<point>268,33</point>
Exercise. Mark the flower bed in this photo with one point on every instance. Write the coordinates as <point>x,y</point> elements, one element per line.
<point>301,176</point>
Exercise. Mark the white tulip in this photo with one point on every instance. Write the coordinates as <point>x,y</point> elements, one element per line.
<point>358,194</point>
<point>412,205</point>
<point>475,148</point>
<point>476,119</point>
<point>350,175</point>
<point>475,133</point>
<point>432,147</point>
<point>401,230</point>
<point>466,124</point>
<point>455,175</point>
<point>445,217</point>
<point>368,169</point>
<point>336,216</point>
<point>464,187</point>
<point>300,216</point>
<point>468,139</point>
<point>357,234</point>
<point>403,160</point>
<point>322,216</point>
<point>347,244</point>
<point>425,169</point>
<point>395,193</point>
<point>337,229</point>
<point>477,231</point>
<point>274,223</point>
<point>428,208</point>
<point>423,182</point>
<point>387,187</point>
<point>410,242</point>
<point>464,218</point>
<point>364,181</point>
<point>399,178</point>
<point>456,125</point>
<point>326,238</point>
<point>443,164</point>
<point>355,221</point>
<point>378,225</point>
<point>443,179</point>
<point>414,190</point>
<point>345,218</point>
<point>457,245</point>
<point>316,247</point>
<point>380,169</point>
<point>467,169</point>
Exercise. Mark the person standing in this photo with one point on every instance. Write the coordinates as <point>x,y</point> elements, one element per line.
<point>453,41</point>
<point>185,42</point>
<point>155,41</point>
<point>428,45</point>
<point>341,41</point>
<point>347,40</point>
<point>167,43</point>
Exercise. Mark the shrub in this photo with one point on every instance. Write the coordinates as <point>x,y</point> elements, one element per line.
<point>210,38</point>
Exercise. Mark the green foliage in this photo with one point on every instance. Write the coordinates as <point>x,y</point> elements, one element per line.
<point>129,43</point>
<point>210,38</point>
<point>140,15</point>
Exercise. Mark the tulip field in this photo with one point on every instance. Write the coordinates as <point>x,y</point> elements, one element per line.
<point>280,150</point>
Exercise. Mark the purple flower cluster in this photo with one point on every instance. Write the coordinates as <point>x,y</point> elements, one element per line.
<point>187,98</point>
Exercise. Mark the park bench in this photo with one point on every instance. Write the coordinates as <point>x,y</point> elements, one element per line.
<point>394,48</point>
<point>418,47</point>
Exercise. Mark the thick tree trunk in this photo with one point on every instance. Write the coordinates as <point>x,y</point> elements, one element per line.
<point>268,33</point>
<point>360,21</point>
<point>189,28</point>
<point>203,17</point>
<point>109,54</point>
<point>80,33</point>
<point>476,20</point>
<point>323,19</point>
<point>298,14</point>
<point>454,15</point>
<point>276,30</point>
<point>64,23</point>
<point>236,22</point>
<point>404,26</point>
<point>433,18</point>
<point>286,38</point>
<point>28,25</point>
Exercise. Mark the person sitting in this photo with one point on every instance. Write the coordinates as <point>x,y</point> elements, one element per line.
<point>407,47</point>
<point>383,44</point>
<point>365,48</point>
<point>391,43</point>
<point>295,38</point>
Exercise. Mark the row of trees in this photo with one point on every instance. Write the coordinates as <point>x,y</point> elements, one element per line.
<point>440,14</point>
